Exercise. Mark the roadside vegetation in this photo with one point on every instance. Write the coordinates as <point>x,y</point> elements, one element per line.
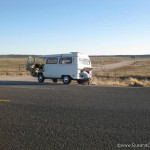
<point>135,74</point>
<point>13,66</point>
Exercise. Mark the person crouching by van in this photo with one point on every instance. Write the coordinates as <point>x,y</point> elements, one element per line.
<point>86,76</point>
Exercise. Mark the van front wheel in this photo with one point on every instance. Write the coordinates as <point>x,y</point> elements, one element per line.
<point>66,79</point>
<point>41,78</point>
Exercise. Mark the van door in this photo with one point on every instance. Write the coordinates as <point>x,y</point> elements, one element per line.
<point>66,66</point>
<point>50,68</point>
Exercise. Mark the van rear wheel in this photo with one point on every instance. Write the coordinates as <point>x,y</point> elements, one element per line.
<point>55,80</point>
<point>66,79</point>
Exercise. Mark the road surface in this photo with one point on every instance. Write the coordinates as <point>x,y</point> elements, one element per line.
<point>57,117</point>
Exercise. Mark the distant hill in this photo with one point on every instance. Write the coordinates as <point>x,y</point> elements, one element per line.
<point>25,56</point>
<point>15,56</point>
<point>132,56</point>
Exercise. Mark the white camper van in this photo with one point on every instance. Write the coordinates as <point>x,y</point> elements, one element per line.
<point>72,66</point>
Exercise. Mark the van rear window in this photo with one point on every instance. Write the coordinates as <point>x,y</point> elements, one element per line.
<point>65,60</point>
<point>84,61</point>
<point>52,60</point>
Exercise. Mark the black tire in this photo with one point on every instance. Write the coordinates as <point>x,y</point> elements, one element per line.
<point>80,81</point>
<point>41,78</point>
<point>66,80</point>
<point>84,82</point>
<point>55,80</point>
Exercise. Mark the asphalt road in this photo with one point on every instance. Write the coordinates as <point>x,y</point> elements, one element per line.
<point>57,117</point>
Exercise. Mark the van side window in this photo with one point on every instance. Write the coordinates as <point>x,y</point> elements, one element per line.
<point>52,60</point>
<point>65,60</point>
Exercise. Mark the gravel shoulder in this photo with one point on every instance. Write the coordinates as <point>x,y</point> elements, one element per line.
<point>115,65</point>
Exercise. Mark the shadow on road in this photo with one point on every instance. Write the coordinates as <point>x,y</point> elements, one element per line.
<point>12,83</point>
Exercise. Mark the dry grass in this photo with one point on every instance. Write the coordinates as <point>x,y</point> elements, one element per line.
<point>98,61</point>
<point>13,66</point>
<point>136,74</point>
<point>138,68</point>
<point>138,83</point>
<point>108,82</point>
<point>118,82</point>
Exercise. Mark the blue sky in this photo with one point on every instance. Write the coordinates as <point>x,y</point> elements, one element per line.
<point>97,27</point>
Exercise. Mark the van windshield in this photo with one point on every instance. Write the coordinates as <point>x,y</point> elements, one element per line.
<point>52,60</point>
<point>40,60</point>
<point>84,61</point>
